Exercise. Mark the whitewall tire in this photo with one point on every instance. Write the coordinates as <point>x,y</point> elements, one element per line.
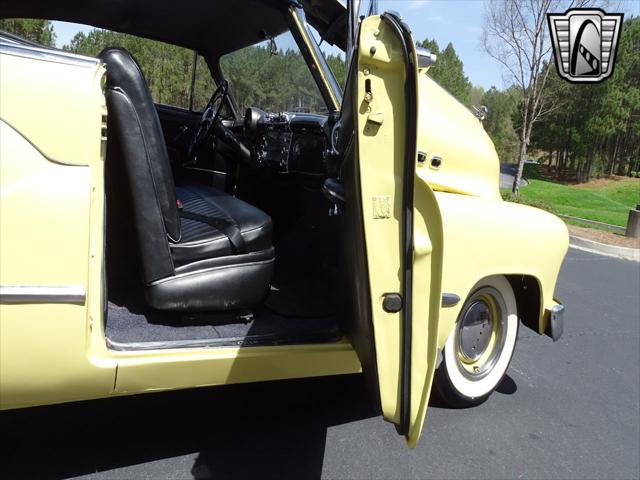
<point>480,346</point>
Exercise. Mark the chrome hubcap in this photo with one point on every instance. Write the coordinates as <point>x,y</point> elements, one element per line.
<point>475,331</point>
<point>481,333</point>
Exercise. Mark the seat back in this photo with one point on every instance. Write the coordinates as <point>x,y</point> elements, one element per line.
<point>135,138</point>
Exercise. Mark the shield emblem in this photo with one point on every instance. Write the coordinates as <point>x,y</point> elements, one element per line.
<point>585,43</point>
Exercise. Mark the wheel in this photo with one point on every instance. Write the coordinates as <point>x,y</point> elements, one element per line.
<point>480,346</point>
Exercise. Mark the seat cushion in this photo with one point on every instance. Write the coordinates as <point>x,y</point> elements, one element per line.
<point>200,241</point>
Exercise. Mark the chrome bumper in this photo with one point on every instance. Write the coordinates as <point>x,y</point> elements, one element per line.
<point>556,322</point>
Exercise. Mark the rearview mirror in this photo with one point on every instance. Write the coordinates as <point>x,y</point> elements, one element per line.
<point>273,47</point>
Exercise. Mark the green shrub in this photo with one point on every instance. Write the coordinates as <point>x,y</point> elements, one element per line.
<point>531,171</point>
<point>633,174</point>
<point>537,203</point>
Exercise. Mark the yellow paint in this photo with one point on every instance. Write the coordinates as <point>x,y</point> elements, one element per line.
<point>381,151</point>
<point>169,370</point>
<point>51,209</point>
<point>450,131</point>
<point>51,233</point>
<point>485,237</point>
<point>60,118</point>
<point>52,224</point>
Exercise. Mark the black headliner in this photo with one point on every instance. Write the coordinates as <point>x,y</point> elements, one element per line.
<point>213,27</point>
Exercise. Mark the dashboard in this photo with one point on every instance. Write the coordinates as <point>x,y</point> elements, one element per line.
<point>288,142</point>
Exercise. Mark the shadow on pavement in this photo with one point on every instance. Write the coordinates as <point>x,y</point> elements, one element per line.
<point>507,386</point>
<point>263,430</point>
<point>268,430</point>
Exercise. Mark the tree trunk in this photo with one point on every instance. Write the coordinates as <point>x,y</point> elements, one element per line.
<point>612,157</point>
<point>559,162</point>
<point>563,162</point>
<point>572,167</point>
<point>586,171</point>
<point>621,153</point>
<point>521,157</point>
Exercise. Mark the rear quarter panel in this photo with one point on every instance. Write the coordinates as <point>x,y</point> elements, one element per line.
<point>51,226</point>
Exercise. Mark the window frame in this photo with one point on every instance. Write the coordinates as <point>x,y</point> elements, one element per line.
<point>328,88</point>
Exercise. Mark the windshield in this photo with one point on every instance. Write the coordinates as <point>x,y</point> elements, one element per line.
<point>274,76</point>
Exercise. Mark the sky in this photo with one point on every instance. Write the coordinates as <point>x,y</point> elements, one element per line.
<point>456,21</point>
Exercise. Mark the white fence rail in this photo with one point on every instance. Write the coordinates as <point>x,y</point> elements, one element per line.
<point>606,226</point>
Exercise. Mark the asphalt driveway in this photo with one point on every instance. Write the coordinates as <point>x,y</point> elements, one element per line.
<point>566,410</point>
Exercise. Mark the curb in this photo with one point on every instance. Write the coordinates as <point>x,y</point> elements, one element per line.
<point>625,253</point>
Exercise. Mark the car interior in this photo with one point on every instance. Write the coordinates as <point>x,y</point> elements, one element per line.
<point>222,228</point>
<point>254,265</point>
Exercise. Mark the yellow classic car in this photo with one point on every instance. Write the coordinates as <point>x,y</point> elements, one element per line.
<point>145,247</point>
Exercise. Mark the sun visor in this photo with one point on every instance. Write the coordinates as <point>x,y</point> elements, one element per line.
<point>329,18</point>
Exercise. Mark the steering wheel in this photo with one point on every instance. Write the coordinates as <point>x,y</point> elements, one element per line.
<point>210,116</point>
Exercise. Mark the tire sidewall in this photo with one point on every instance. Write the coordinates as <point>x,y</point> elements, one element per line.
<point>456,388</point>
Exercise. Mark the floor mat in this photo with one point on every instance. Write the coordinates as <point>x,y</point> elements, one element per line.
<point>127,324</point>
<point>304,278</point>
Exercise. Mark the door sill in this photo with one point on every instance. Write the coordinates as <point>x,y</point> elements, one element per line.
<point>328,336</point>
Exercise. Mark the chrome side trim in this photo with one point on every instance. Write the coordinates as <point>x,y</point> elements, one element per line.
<point>258,341</point>
<point>450,300</point>
<point>173,344</point>
<point>42,294</point>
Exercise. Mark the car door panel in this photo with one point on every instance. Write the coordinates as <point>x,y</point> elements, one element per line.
<point>401,222</point>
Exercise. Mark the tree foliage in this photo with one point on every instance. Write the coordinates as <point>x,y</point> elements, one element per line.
<point>499,123</point>
<point>39,31</point>
<point>167,68</point>
<point>596,129</point>
<point>280,82</point>
<point>448,71</point>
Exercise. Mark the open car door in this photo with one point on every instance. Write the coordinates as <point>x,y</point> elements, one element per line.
<point>394,226</point>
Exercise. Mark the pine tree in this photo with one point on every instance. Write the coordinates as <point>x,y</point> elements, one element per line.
<point>38,31</point>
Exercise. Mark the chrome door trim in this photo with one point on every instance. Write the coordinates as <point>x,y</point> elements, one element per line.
<point>42,294</point>
<point>17,48</point>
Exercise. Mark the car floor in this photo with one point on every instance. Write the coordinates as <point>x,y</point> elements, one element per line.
<point>139,324</point>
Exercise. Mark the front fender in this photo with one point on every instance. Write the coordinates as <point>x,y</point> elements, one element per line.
<point>484,237</point>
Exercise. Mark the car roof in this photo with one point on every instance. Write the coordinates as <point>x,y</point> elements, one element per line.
<point>212,27</point>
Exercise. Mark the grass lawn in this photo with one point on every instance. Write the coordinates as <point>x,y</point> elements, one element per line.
<point>603,200</point>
